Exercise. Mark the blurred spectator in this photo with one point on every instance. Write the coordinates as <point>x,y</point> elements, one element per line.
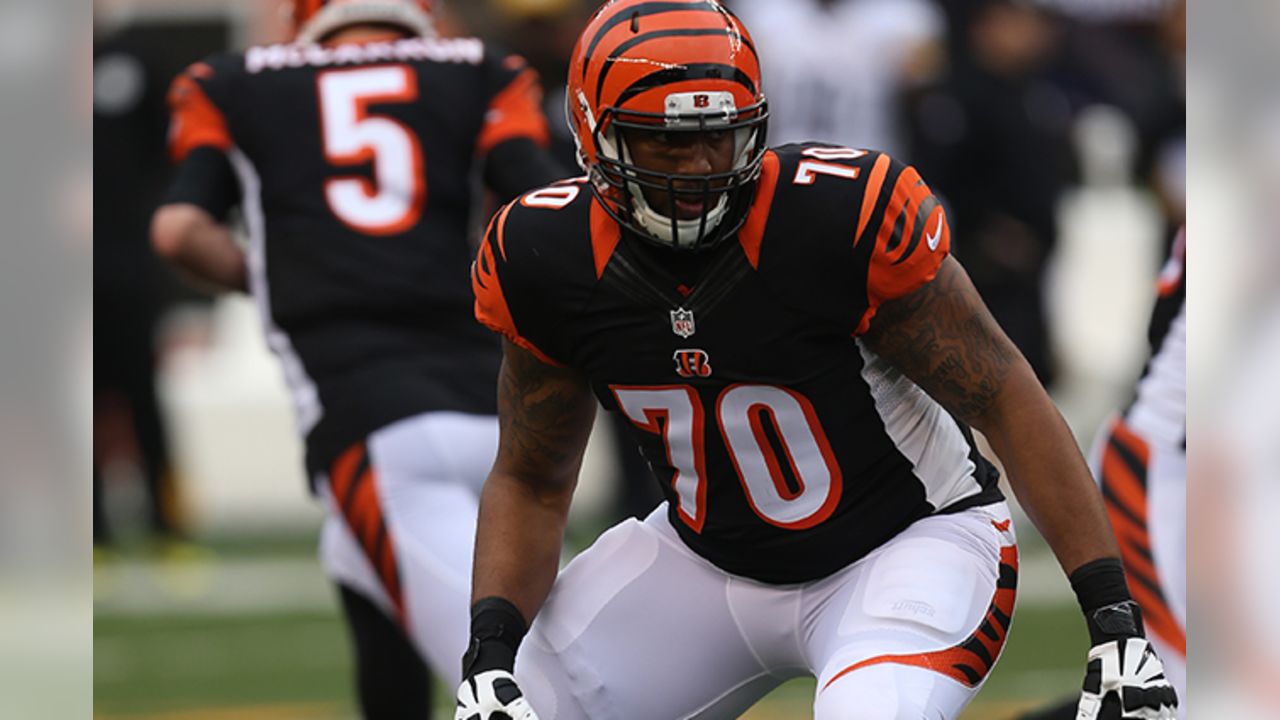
<point>836,68</point>
<point>129,168</point>
<point>1138,65</point>
<point>993,138</point>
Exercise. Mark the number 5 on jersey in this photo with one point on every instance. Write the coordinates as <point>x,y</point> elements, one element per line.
<point>351,136</point>
<point>746,416</point>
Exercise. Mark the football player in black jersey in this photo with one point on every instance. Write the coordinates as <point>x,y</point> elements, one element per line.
<point>352,154</point>
<point>801,362</point>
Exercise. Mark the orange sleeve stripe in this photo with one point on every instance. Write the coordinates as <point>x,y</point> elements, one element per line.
<point>605,233</point>
<point>500,223</point>
<point>872,193</point>
<point>196,121</point>
<point>515,112</point>
<point>752,233</point>
<point>898,202</point>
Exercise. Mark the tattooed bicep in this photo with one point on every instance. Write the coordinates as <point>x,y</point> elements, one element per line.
<point>943,337</point>
<point>545,413</point>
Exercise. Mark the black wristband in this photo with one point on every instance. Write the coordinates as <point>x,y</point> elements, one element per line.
<point>497,627</point>
<point>1109,610</point>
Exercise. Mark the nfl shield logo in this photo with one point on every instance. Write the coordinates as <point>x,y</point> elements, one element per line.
<point>682,322</point>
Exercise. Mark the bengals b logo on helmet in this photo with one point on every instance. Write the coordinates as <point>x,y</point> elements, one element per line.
<point>692,363</point>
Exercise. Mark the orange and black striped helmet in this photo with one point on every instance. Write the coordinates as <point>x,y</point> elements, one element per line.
<point>674,66</point>
<point>313,20</point>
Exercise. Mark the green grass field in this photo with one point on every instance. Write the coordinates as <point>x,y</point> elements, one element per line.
<point>287,663</point>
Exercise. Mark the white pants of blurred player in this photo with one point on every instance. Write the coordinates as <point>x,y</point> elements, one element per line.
<point>401,526</point>
<point>1144,484</point>
<point>639,627</point>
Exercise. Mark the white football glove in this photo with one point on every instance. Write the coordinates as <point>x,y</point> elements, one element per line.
<point>1126,679</point>
<point>492,695</point>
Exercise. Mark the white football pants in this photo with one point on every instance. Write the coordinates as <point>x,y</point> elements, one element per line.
<point>401,526</point>
<point>638,627</point>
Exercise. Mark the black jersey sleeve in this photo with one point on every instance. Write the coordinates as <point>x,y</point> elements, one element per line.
<point>502,283</point>
<point>538,265</point>
<point>199,137</point>
<point>205,179</point>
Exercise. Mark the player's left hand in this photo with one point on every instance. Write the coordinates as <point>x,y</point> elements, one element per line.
<point>1126,679</point>
<point>492,695</point>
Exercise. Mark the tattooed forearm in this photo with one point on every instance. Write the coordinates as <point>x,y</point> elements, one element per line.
<point>545,415</point>
<point>945,340</point>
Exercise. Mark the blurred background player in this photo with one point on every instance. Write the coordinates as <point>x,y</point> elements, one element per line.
<point>993,132</point>
<point>1140,460</point>
<point>351,156</point>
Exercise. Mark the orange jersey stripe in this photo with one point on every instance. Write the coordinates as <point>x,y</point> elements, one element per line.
<point>605,234</point>
<point>195,120</point>
<point>969,662</point>
<point>515,112</point>
<point>752,232</point>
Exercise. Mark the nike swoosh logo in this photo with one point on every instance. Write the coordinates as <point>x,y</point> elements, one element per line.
<point>932,239</point>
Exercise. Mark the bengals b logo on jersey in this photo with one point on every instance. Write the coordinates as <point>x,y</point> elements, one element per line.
<point>692,363</point>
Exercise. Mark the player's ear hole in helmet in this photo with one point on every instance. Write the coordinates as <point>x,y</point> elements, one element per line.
<point>679,74</point>
<point>315,20</point>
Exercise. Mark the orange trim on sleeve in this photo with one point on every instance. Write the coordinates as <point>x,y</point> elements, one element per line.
<point>491,308</point>
<point>516,111</point>
<point>752,233</point>
<point>907,258</point>
<point>196,121</point>
<point>605,234</point>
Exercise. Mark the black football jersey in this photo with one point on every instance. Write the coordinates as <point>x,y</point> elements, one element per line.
<point>785,447</point>
<point>357,165</point>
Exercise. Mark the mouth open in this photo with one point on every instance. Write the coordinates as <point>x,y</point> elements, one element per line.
<point>689,209</point>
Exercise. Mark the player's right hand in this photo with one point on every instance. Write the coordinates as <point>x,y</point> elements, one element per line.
<point>1125,680</point>
<point>492,695</point>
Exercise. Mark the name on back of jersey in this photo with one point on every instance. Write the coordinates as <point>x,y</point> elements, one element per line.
<point>294,55</point>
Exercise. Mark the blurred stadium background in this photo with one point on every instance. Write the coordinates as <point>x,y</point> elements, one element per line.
<point>208,601</point>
